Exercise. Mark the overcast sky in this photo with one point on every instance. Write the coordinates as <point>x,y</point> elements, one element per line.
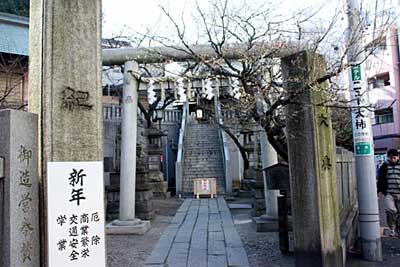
<point>120,15</point>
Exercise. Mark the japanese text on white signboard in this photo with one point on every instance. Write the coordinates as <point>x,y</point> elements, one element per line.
<point>76,214</point>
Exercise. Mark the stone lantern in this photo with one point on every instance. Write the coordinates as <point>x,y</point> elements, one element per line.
<point>155,177</point>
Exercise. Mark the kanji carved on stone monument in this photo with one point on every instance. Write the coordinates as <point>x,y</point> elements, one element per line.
<point>75,99</point>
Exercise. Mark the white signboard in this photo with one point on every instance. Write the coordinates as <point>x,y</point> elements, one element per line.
<point>75,207</point>
<point>205,185</point>
<point>362,129</point>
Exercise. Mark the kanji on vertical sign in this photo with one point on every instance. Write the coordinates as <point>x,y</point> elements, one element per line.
<point>75,214</point>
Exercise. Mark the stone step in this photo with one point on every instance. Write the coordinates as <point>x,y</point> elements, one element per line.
<point>202,155</point>
<point>207,161</point>
<point>203,150</point>
<point>200,140</point>
<point>196,142</point>
<point>204,174</point>
<point>196,172</point>
<point>202,169</point>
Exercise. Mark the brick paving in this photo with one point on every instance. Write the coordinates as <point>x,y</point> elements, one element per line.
<point>201,234</point>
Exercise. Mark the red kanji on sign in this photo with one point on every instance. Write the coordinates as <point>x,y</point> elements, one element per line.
<point>205,184</point>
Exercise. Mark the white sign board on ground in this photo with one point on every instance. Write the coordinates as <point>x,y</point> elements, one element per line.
<point>75,212</point>
<point>205,186</point>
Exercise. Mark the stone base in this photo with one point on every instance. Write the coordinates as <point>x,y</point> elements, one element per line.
<point>144,207</point>
<point>239,206</point>
<point>147,216</point>
<point>266,223</point>
<point>246,194</point>
<point>144,195</point>
<point>134,227</point>
<point>162,195</point>
<point>158,187</point>
<point>259,207</point>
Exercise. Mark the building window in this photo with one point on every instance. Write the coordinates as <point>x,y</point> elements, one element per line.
<point>379,81</point>
<point>384,116</point>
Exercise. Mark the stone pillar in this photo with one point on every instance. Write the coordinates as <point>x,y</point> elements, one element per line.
<point>312,164</point>
<point>65,85</point>
<point>269,157</point>
<point>128,143</point>
<point>19,190</point>
<point>127,223</point>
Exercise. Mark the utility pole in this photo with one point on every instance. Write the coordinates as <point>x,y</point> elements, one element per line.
<point>363,140</point>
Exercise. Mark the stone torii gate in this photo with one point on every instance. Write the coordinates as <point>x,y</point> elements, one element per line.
<point>68,57</point>
<point>314,195</point>
<point>65,54</point>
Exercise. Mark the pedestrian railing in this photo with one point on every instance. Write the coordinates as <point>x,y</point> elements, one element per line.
<point>179,160</point>
<point>225,146</point>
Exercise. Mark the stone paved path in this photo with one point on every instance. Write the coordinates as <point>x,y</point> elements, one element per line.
<point>201,234</point>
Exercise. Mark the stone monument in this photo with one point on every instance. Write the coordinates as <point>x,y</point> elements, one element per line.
<point>315,207</point>
<point>65,85</point>
<point>19,190</point>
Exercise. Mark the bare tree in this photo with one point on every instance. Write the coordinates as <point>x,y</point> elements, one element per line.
<point>260,37</point>
<point>13,71</point>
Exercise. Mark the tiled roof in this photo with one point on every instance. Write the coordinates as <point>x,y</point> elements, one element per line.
<point>14,34</point>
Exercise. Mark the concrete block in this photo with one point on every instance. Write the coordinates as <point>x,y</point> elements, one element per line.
<point>137,227</point>
<point>217,261</point>
<point>237,256</point>
<point>216,247</point>
<point>197,258</point>
<point>218,236</point>
<point>232,238</point>
<point>239,206</point>
<point>215,227</point>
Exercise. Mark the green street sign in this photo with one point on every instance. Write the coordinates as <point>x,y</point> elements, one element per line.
<point>363,148</point>
<point>356,73</point>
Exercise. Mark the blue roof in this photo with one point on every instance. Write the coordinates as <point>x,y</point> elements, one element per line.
<point>14,34</point>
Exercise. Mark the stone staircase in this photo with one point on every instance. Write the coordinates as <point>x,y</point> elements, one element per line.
<point>202,156</point>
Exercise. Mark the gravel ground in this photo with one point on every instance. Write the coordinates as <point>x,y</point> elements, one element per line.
<point>262,248</point>
<point>133,250</point>
<point>391,255</point>
<point>390,248</point>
